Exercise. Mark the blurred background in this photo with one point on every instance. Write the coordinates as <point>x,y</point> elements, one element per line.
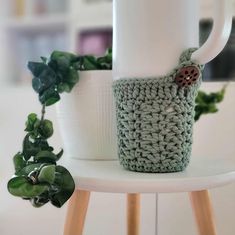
<point>33,28</point>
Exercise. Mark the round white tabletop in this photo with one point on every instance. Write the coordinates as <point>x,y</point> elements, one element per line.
<point>109,176</point>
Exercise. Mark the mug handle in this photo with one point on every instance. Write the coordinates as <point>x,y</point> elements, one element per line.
<point>219,36</point>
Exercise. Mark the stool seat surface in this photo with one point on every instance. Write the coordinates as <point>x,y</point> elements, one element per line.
<point>109,176</point>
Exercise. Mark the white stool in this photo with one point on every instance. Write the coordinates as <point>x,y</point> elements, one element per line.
<point>109,176</point>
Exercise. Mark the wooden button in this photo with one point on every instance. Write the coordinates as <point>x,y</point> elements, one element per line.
<point>187,76</point>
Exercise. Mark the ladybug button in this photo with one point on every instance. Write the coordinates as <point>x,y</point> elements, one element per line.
<point>187,76</point>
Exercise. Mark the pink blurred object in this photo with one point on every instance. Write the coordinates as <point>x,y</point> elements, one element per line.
<point>94,42</point>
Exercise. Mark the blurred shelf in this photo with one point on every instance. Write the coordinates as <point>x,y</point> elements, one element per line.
<point>38,23</point>
<point>35,34</point>
<point>95,15</point>
<point>96,8</point>
<point>98,24</point>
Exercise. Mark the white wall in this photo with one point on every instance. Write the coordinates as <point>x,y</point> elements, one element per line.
<point>214,137</point>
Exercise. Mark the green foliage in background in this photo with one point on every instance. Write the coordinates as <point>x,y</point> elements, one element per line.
<point>37,176</point>
<point>207,103</point>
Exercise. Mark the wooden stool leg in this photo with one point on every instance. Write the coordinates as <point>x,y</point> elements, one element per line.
<point>76,213</point>
<point>133,214</point>
<point>203,212</point>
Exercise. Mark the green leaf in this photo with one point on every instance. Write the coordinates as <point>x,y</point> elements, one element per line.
<point>32,118</point>
<point>56,55</point>
<point>28,169</point>
<point>62,62</point>
<point>37,85</point>
<point>47,174</point>
<point>65,182</point>
<point>43,144</point>
<point>105,64</point>
<point>46,129</point>
<point>49,97</point>
<point>54,66</point>
<point>46,79</point>
<point>34,133</point>
<point>206,103</point>
<point>79,63</point>
<point>29,148</point>
<point>72,76</point>
<point>40,200</point>
<point>46,157</point>
<point>21,187</point>
<point>19,162</point>
<point>36,68</point>
<point>70,87</point>
<point>59,155</point>
<point>90,63</point>
<point>63,87</point>
<point>44,59</point>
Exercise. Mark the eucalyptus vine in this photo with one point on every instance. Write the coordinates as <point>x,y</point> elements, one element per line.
<point>37,176</point>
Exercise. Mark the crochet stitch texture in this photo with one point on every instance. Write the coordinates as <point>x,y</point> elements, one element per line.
<point>155,120</point>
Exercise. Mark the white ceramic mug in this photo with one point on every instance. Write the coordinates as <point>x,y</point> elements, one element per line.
<point>149,36</point>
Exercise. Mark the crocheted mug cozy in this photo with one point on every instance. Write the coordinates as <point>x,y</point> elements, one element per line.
<point>155,118</point>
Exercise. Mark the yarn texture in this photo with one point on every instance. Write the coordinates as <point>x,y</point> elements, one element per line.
<point>155,119</point>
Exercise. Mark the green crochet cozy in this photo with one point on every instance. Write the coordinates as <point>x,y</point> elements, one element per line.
<point>155,118</point>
